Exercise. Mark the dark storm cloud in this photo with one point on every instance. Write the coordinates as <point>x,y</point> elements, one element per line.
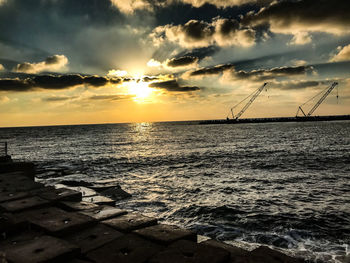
<point>258,75</point>
<point>182,61</point>
<point>173,86</point>
<point>200,53</point>
<point>53,82</point>
<point>308,15</point>
<point>197,33</point>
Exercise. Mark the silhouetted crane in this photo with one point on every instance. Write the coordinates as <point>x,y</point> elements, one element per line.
<point>252,97</point>
<point>324,96</point>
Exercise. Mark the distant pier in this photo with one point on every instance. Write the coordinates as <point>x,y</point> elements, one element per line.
<point>278,119</point>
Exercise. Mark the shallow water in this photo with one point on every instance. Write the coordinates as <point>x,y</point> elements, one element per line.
<point>281,184</point>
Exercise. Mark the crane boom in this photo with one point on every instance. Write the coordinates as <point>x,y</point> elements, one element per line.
<point>255,95</point>
<point>322,98</point>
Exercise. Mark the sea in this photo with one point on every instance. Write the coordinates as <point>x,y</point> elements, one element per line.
<point>284,185</point>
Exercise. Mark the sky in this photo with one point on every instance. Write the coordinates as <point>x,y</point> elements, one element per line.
<point>110,61</point>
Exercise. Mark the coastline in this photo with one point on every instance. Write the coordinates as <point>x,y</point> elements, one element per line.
<point>24,200</point>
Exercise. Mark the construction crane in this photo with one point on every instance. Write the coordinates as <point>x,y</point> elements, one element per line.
<point>252,97</point>
<point>324,96</point>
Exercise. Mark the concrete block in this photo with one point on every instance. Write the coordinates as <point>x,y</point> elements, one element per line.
<point>61,194</point>
<point>130,222</point>
<point>128,248</point>
<point>17,182</point>
<point>77,206</point>
<point>237,254</point>
<point>93,237</point>
<point>166,234</point>
<point>10,223</point>
<point>23,204</point>
<point>265,254</point>
<point>12,195</point>
<point>85,191</point>
<point>57,221</point>
<point>18,238</point>
<point>184,251</point>
<point>42,249</point>
<point>99,200</point>
<point>103,212</point>
<point>27,168</point>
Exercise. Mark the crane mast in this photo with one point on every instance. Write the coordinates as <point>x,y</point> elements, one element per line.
<point>324,96</point>
<point>255,95</point>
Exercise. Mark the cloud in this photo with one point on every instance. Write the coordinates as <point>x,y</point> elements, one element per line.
<point>111,97</point>
<point>173,86</point>
<point>182,61</point>
<point>58,98</point>
<point>295,84</point>
<point>2,67</point>
<point>52,63</point>
<point>293,17</point>
<point>301,38</point>
<point>4,99</point>
<point>54,82</point>
<point>129,6</point>
<point>256,75</point>
<point>199,34</point>
<point>343,54</point>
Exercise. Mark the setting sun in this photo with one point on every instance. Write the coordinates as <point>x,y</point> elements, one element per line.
<point>140,89</point>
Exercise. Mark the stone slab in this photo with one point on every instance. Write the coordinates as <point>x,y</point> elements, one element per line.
<point>93,237</point>
<point>42,249</point>
<point>130,222</point>
<point>127,249</point>
<point>57,221</point>
<point>237,254</point>
<point>100,200</point>
<point>17,182</point>
<point>10,223</point>
<point>18,238</point>
<point>103,212</point>
<point>61,194</point>
<point>166,234</point>
<point>25,167</point>
<point>265,254</point>
<point>184,251</point>
<point>77,206</point>
<point>23,204</point>
<point>12,195</point>
<point>85,191</point>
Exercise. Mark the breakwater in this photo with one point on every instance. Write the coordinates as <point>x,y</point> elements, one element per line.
<point>278,119</point>
<point>46,224</point>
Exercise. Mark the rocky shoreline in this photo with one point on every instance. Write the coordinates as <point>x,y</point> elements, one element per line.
<point>76,221</point>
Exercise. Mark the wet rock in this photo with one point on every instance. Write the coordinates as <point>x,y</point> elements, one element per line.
<point>265,254</point>
<point>115,193</point>
<point>130,222</point>
<point>23,204</point>
<point>77,206</point>
<point>166,234</point>
<point>184,251</point>
<point>57,221</point>
<point>43,249</point>
<point>235,252</point>
<point>93,237</point>
<point>128,248</point>
<point>103,212</point>
<point>76,183</point>
<point>27,168</point>
<point>61,194</point>
<point>12,195</point>
<point>99,200</point>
